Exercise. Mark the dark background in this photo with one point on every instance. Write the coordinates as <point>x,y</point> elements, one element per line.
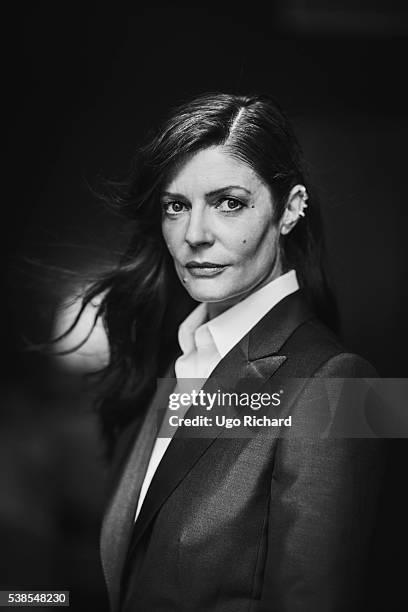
<point>82,85</point>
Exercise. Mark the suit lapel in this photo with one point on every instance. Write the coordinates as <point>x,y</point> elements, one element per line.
<point>254,357</point>
<point>119,516</point>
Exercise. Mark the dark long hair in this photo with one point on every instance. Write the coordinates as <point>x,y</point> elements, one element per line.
<point>143,301</point>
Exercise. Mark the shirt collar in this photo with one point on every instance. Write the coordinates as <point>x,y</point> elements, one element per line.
<point>187,329</point>
<point>226,330</point>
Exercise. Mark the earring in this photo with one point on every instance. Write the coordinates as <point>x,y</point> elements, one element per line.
<point>303,205</point>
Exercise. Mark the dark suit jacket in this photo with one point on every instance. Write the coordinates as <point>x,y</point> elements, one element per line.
<point>261,523</point>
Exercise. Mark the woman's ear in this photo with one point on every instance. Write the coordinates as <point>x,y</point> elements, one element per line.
<point>294,208</point>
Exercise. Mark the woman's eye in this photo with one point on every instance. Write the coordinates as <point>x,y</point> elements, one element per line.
<point>229,205</point>
<point>173,208</point>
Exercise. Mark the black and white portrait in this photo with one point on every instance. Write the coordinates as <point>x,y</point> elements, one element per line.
<point>203,389</point>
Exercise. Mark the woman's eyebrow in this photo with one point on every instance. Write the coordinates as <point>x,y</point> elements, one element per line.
<point>172,195</point>
<point>209,194</point>
<point>216,192</point>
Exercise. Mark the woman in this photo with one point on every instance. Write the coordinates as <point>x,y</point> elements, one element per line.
<point>222,212</point>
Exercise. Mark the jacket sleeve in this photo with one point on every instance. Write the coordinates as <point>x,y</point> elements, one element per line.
<point>324,494</point>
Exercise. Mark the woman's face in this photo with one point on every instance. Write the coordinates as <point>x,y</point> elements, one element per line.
<point>218,225</point>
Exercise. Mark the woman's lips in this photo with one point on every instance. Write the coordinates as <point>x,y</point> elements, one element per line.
<point>205,270</point>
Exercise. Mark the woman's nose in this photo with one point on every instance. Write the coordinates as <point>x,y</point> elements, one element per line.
<point>198,231</point>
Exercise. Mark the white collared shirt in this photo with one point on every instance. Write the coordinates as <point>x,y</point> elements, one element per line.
<point>204,343</point>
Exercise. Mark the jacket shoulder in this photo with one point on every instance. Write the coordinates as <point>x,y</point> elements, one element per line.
<point>314,350</point>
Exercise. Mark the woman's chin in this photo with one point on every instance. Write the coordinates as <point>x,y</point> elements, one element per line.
<point>207,297</point>
<point>207,294</point>
<point>221,300</point>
